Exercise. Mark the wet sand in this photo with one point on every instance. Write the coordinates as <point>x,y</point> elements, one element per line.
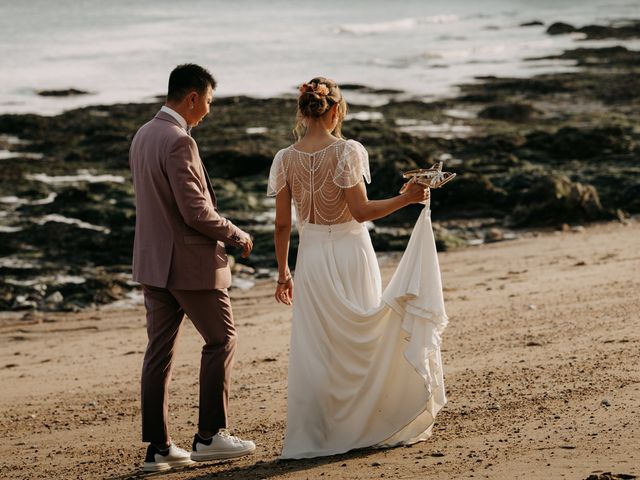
<point>541,368</point>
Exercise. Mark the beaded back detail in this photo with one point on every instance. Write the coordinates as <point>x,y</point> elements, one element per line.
<point>316,180</point>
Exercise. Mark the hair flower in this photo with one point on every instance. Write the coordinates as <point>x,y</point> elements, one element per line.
<point>322,89</point>
<point>305,87</point>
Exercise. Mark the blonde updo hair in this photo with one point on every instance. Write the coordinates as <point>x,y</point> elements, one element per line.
<point>317,96</point>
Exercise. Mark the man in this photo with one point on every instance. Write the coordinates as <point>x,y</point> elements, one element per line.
<point>179,258</point>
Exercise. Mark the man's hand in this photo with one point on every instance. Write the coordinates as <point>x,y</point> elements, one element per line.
<point>247,246</point>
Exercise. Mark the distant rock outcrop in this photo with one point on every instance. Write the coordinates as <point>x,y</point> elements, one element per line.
<point>69,92</point>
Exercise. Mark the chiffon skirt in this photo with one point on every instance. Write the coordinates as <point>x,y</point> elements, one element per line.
<point>364,366</point>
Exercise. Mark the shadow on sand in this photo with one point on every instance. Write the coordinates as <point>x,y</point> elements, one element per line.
<point>261,469</point>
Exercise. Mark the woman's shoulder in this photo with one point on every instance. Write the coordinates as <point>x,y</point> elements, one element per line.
<point>351,147</point>
<point>280,154</point>
<point>348,142</point>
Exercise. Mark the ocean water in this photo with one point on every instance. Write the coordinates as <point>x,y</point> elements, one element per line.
<point>123,50</point>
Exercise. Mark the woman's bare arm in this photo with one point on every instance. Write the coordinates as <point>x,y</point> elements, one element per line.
<point>282,238</point>
<point>362,209</point>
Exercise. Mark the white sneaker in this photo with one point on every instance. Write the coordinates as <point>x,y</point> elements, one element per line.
<point>220,446</point>
<point>159,460</point>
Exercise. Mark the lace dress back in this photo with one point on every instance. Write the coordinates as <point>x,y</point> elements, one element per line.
<point>317,180</point>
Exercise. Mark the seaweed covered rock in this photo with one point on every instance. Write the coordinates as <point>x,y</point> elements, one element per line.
<point>469,195</point>
<point>578,143</point>
<point>631,199</point>
<point>553,200</point>
<point>513,112</point>
<point>621,30</point>
<point>560,28</point>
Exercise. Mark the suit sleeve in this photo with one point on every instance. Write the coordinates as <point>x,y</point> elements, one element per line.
<point>184,172</point>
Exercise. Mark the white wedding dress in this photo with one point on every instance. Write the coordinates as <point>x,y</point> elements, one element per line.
<point>364,367</point>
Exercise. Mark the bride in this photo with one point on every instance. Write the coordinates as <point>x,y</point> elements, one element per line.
<point>364,366</point>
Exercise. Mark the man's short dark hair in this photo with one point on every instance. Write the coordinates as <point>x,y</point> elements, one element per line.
<point>187,78</point>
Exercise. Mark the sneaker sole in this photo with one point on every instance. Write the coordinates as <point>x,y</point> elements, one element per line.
<point>155,467</point>
<point>164,466</point>
<point>220,455</point>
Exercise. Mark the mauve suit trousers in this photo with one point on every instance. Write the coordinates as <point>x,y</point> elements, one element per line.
<point>211,314</point>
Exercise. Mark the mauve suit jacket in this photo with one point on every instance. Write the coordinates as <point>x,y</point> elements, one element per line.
<point>179,237</point>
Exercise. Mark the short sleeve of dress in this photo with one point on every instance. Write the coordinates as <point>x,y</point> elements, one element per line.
<point>353,165</point>
<point>277,175</point>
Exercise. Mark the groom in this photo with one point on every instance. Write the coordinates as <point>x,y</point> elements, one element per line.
<point>179,258</point>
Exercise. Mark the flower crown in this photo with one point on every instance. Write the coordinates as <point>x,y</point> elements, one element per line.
<point>317,88</point>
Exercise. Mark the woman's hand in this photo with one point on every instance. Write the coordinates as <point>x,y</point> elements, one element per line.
<point>415,192</point>
<point>284,291</point>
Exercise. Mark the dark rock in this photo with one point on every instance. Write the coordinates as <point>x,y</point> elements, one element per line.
<point>621,30</point>
<point>500,87</point>
<point>554,199</point>
<point>533,23</point>
<point>61,93</point>
<point>581,143</point>
<point>354,87</point>
<point>494,235</point>
<point>55,299</point>
<point>630,29</point>
<point>606,56</point>
<point>560,28</point>
<point>513,112</point>
<point>446,240</point>
<point>630,200</point>
<point>469,195</point>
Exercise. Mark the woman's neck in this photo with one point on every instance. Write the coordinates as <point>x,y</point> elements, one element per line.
<point>315,131</point>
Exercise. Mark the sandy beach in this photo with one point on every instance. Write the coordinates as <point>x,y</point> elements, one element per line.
<point>541,368</point>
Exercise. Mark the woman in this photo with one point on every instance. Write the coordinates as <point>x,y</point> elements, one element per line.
<point>364,366</point>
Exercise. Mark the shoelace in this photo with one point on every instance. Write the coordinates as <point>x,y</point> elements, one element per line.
<point>223,432</point>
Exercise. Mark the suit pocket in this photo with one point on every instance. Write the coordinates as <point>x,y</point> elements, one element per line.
<point>198,240</point>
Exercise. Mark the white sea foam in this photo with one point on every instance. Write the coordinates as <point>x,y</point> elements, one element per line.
<point>425,127</point>
<point>242,283</point>
<point>9,229</point>
<point>402,24</point>
<point>353,97</point>
<point>7,155</point>
<point>68,279</point>
<point>17,263</point>
<point>46,200</point>
<point>256,130</point>
<point>54,217</point>
<point>133,298</point>
<point>12,140</point>
<point>458,113</point>
<point>449,160</point>
<point>365,116</point>
<point>378,27</point>
<point>13,200</point>
<point>82,176</point>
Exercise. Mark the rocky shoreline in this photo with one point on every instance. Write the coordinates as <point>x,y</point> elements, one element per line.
<point>551,151</point>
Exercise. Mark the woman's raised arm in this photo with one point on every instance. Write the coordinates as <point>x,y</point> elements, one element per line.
<point>363,209</point>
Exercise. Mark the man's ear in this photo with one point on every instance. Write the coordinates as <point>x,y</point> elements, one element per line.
<point>191,99</point>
